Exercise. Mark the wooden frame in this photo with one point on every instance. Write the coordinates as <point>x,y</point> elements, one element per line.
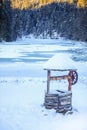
<point>64,77</point>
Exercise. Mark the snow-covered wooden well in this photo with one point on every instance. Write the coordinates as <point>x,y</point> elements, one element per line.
<point>61,100</point>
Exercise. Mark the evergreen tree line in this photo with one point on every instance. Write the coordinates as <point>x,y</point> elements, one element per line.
<point>52,20</point>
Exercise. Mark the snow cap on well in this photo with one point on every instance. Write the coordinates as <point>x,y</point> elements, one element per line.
<point>61,62</point>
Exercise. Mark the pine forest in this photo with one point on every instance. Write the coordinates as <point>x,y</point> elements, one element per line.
<point>43,18</point>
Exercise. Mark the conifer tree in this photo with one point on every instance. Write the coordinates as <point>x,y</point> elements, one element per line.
<point>6,18</point>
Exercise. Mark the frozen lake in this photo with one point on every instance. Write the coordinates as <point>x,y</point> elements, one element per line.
<point>26,57</point>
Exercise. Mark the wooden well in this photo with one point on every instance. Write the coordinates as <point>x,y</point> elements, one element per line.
<point>59,100</point>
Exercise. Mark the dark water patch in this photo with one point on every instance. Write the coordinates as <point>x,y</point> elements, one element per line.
<point>49,52</point>
<point>36,54</point>
<point>79,58</point>
<point>7,60</point>
<point>78,54</point>
<point>42,54</point>
<point>12,60</point>
<point>67,43</point>
<point>31,60</point>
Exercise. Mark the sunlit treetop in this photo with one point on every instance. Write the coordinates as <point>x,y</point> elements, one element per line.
<point>25,4</point>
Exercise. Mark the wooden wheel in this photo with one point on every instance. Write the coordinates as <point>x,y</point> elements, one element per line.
<point>74,77</point>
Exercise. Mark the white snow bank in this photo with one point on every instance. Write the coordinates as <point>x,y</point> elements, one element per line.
<point>22,69</point>
<point>21,107</point>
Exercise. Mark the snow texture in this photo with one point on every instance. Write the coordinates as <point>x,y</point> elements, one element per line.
<point>60,62</point>
<point>23,85</point>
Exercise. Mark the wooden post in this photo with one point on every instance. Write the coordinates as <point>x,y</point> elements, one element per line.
<point>48,80</point>
<point>70,81</point>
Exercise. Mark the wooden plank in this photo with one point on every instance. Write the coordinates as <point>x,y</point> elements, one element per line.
<point>64,110</point>
<point>53,101</point>
<point>61,69</point>
<point>51,95</point>
<point>65,95</point>
<point>51,104</point>
<point>50,107</point>
<point>61,101</point>
<point>51,98</point>
<point>48,80</point>
<point>59,77</point>
<point>64,103</point>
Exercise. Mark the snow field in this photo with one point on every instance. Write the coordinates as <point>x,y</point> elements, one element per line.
<point>23,87</point>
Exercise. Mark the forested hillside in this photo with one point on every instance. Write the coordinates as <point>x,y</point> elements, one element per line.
<point>43,18</point>
<point>24,4</point>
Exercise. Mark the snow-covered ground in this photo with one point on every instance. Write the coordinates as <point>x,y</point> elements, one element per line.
<point>23,85</point>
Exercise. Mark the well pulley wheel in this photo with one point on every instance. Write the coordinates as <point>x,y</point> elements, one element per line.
<point>74,77</point>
